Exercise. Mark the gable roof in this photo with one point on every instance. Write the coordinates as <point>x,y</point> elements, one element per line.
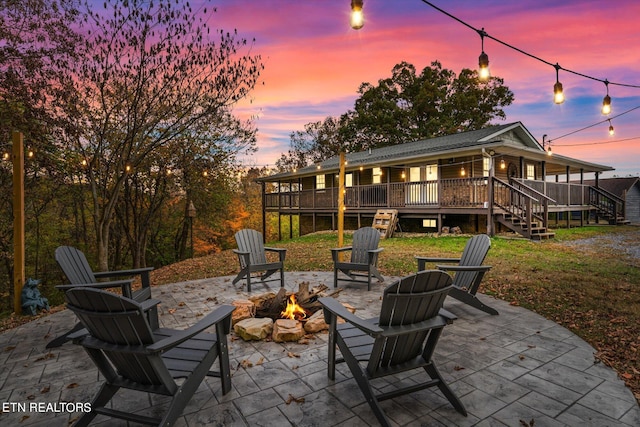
<point>458,144</point>
<point>616,186</point>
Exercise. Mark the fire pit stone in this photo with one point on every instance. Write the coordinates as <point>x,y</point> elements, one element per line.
<point>287,330</point>
<point>255,328</point>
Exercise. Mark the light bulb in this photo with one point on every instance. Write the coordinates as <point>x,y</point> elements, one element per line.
<point>606,105</point>
<point>558,95</point>
<point>483,63</point>
<point>357,17</point>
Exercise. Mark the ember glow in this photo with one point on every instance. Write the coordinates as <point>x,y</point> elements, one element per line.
<point>293,310</point>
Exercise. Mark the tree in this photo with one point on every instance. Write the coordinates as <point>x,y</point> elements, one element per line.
<point>152,74</point>
<point>403,108</point>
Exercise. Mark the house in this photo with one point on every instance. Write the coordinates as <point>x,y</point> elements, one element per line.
<point>626,189</point>
<point>486,180</point>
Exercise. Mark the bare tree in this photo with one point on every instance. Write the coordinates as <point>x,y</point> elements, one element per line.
<point>154,71</point>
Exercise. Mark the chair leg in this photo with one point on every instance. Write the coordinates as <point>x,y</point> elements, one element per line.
<point>444,388</point>
<point>363,383</point>
<point>471,300</point>
<point>99,401</point>
<point>282,277</point>
<point>335,277</point>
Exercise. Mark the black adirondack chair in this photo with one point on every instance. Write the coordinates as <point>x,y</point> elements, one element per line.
<point>403,338</point>
<point>131,354</point>
<point>364,258</point>
<point>75,266</point>
<point>252,255</point>
<point>468,272</point>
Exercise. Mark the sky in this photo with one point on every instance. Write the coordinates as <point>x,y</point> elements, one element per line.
<point>314,64</point>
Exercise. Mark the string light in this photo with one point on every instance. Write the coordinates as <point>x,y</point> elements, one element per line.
<point>558,92</point>
<point>462,171</point>
<point>598,123</point>
<point>483,60</point>
<point>606,102</point>
<point>357,17</point>
<point>611,131</point>
<point>502,164</point>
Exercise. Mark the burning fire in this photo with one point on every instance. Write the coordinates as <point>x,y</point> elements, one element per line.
<point>293,310</point>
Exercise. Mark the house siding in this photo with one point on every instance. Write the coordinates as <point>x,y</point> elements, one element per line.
<point>632,204</point>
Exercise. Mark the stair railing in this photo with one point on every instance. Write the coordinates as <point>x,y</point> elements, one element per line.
<point>541,208</point>
<point>608,203</point>
<point>514,201</point>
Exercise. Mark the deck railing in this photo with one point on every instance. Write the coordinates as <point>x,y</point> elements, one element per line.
<point>464,192</point>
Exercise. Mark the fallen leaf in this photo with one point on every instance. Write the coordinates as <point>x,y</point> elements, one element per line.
<point>458,368</point>
<point>292,354</point>
<point>73,385</point>
<point>260,361</point>
<point>172,310</point>
<point>292,398</point>
<point>45,389</point>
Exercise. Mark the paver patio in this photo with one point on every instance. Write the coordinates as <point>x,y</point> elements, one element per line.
<point>506,369</point>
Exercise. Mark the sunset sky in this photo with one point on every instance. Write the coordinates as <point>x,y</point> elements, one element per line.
<point>314,63</point>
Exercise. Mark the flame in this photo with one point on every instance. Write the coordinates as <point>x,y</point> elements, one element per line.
<point>293,310</point>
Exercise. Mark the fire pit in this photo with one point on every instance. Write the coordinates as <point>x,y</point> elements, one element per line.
<point>285,316</point>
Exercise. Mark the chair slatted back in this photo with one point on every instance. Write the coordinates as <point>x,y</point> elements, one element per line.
<point>413,299</point>
<point>120,323</point>
<point>365,239</point>
<point>74,265</point>
<point>251,241</point>
<point>474,253</point>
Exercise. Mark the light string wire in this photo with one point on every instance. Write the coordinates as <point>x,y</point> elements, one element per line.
<point>556,66</point>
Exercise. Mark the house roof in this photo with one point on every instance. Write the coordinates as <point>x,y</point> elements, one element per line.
<point>616,186</point>
<point>458,144</point>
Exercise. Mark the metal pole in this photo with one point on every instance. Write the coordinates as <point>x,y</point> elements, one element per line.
<point>17,152</point>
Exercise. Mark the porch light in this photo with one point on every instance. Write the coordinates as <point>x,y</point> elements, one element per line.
<point>357,18</point>
<point>502,164</point>
<point>558,94</point>
<point>403,175</point>
<point>483,60</point>
<point>611,131</point>
<point>606,102</point>
<point>462,171</point>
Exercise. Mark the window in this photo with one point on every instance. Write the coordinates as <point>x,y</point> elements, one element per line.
<point>486,166</point>
<point>429,223</point>
<point>531,172</point>
<point>377,175</point>
<point>348,180</point>
<point>320,182</point>
<point>432,172</point>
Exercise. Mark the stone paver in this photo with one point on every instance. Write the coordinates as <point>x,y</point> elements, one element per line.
<point>508,370</point>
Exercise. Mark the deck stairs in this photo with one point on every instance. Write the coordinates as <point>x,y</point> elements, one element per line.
<point>518,224</point>
<point>608,206</point>
<point>521,209</point>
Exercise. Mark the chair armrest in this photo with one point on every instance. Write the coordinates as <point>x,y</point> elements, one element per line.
<point>447,315</point>
<point>423,260</point>
<point>220,314</point>
<point>375,251</point>
<point>124,284</point>
<point>425,325</point>
<point>142,272</point>
<point>464,267</point>
<point>282,252</point>
<point>118,273</point>
<point>239,252</point>
<point>332,307</point>
<point>346,248</point>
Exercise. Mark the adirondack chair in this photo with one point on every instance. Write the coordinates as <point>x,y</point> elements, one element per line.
<point>133,355</point>
<point>468,273</point>
<point>75,266</point>
<point>252,255</point>
<point>364,258</point>
<point>403,338</point>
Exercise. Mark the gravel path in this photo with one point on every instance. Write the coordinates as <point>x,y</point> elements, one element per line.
<point>627,242</point>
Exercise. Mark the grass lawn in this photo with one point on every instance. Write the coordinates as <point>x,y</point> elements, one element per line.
<point>578,281</point>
